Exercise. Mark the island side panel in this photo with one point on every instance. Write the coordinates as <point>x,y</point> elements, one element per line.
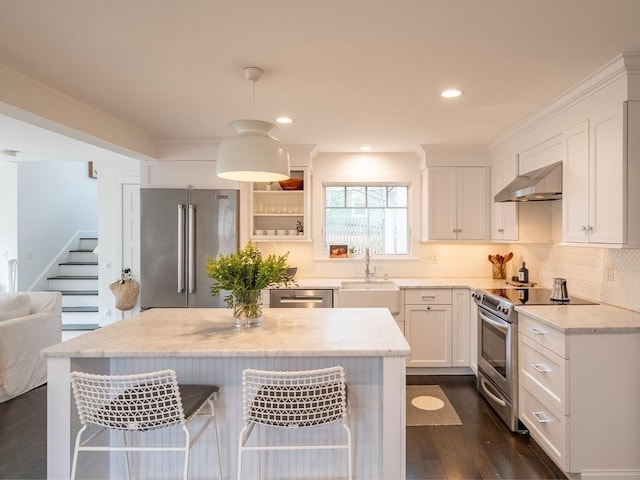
<point>365,378</point>
<point>63,422</point>
<point>59,415</point>
<point>394,417</point>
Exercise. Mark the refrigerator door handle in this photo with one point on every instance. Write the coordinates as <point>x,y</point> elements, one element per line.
<point>192,248</point>
<point>180,248</point>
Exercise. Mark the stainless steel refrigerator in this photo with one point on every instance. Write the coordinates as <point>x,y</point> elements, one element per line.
<point>178,228</point>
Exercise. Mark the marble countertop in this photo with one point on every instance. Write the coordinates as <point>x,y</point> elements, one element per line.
<point>209,332</point>
<point>435,282</point>
<point>574,318</point>
<point>584,318</point>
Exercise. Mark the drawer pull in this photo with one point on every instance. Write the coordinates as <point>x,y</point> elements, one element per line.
<point>541,417</point>
<point>427,297</point>
<point>540,367</point>
<point>537,331</point>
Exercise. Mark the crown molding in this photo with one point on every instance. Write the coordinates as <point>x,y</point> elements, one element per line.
<point>620,66</point>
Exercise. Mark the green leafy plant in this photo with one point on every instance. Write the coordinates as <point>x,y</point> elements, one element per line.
<point>246,271</point>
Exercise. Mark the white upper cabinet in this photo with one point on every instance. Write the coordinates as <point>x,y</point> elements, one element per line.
<point>457,206</point>
<point>601,178</point>
<point>504,215</point>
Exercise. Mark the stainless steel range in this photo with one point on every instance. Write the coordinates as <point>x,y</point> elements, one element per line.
<point>498,344</point>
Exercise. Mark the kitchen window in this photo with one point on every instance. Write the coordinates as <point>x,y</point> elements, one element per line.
<point>374,216</point>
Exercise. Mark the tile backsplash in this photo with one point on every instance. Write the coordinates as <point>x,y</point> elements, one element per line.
<point>586,269</point>
<point>602,274</point>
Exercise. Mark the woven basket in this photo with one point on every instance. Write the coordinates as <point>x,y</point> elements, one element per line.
<point>125,293</point>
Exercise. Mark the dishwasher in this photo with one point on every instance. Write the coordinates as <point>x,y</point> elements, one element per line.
<point>300,298</point>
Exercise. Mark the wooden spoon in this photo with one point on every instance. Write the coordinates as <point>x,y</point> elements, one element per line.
<point>508,257</point>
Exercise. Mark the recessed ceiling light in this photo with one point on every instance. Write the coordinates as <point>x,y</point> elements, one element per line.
<point>451,93</point>
<point>365,148</point>
<point>284,120</point>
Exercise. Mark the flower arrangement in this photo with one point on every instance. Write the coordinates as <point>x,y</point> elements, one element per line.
<point>244,274</point>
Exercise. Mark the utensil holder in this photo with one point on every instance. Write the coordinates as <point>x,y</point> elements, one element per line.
<point>499,270</point>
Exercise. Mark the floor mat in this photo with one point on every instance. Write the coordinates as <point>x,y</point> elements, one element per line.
<point>428,405</point>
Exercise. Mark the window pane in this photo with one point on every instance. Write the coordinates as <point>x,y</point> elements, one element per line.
<point>398,196</point>
<point>356,197</point>
<point>334,196</point>
<point>376,197</point>
<point>368,216</point>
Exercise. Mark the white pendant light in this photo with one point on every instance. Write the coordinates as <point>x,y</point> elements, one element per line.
<point>253,155</point>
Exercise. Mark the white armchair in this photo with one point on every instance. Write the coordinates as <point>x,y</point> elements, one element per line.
<point>29,322</point>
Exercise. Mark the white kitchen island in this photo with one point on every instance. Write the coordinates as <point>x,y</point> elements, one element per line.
<point>203,346</point>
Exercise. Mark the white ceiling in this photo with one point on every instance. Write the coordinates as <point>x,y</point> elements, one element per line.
<point>350,72</point>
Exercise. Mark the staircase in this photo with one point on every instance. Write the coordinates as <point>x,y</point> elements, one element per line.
<point>77,280</point>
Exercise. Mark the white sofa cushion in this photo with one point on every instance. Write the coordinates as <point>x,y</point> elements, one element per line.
<point>14,305</point>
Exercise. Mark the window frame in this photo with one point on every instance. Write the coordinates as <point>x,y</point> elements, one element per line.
<point>386,184</point>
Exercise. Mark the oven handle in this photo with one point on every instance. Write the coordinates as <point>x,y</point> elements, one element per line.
<point>493,397</point>
<point>498,325</point>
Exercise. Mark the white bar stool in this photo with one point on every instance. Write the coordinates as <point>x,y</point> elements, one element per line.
<point>301,399</point>
<point>139,403</point>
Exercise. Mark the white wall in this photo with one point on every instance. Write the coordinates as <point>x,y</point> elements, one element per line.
<point>8,219</point>
<point>55,200</point>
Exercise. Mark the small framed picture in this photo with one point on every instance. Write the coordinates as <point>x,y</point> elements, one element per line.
<point>93,173</point>
<point>338,251</point>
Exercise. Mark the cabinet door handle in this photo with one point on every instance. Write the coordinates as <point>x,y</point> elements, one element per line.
<point>180,248</point>
<point>191,267</point>
<point>429,307</point>
<point>501,230</point>
<point>537,331</point>
<point>540,367</point>
<point>541,417</point>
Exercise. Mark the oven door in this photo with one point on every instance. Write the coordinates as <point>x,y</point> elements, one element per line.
<point>496,350</point>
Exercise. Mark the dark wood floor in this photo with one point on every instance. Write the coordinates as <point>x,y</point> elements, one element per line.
<point>481,448</point>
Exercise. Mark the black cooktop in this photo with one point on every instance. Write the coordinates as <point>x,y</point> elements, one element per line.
<point>535,296</point>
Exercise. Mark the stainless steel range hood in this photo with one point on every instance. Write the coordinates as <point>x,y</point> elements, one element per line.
<point>542,184</point>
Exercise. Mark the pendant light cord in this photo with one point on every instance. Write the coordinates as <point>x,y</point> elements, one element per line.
<point>253,105</point>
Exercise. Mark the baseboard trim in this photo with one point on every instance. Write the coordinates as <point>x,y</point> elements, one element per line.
<point>610,474</point>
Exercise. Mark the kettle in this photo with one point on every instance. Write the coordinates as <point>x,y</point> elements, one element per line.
<point>559,292</point>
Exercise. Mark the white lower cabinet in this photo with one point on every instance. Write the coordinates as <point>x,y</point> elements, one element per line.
<point>579,394</point>
<point>436,325</point>
<point>460,327</point>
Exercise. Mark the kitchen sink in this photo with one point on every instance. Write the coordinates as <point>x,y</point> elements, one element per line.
<point>368,285</point>
<point>375,293</point>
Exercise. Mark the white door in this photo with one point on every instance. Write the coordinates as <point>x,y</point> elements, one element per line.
<point>504,215</point>
<point>575,184</point>
<point>460,298</point>
<point>442,186</point>
<point>131,233</point>
<point>472,203</point>
<point>607,177</point>
<point>428,329</point>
